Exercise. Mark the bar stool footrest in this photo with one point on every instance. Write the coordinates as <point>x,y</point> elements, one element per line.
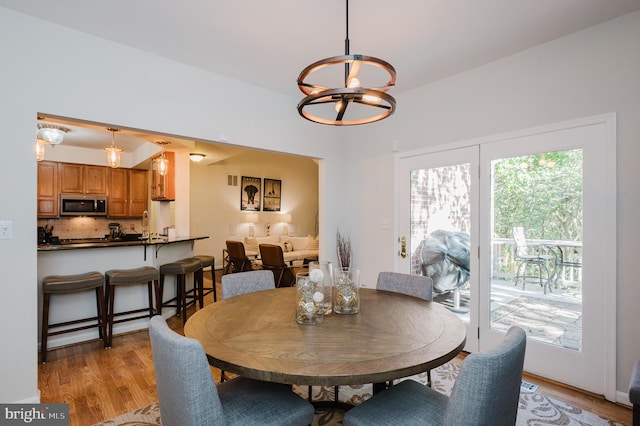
<point>70,330</point>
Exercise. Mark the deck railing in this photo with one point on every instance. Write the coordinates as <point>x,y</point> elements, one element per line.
<point>567,267</point>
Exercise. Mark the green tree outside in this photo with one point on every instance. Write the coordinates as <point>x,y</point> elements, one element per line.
<point>540,192</point>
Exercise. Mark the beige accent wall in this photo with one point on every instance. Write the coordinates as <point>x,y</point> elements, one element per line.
<point>215,206</point>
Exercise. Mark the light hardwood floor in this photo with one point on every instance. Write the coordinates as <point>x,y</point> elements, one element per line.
<point>101,384</point>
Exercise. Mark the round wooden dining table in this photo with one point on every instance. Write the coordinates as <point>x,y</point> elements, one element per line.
<point>256,335</point>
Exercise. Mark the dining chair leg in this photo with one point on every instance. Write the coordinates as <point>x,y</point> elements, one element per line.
<point>379,387</point>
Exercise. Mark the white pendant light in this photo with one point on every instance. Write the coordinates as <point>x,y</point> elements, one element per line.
<point>113,152</point>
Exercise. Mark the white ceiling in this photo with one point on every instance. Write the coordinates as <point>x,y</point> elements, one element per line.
<point>84,134</point>
<point>267,43</point>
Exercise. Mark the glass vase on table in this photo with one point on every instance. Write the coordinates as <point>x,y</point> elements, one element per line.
<point>346,291</point>
<point>321,272</point>
<point>309,300</point>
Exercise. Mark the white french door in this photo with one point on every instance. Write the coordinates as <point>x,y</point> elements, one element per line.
<point>479,190</point>
<point>438,218</point>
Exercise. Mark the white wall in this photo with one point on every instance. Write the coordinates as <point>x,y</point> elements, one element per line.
<point>100,81</point>
<point>589,73</point>
<point>215,206</point>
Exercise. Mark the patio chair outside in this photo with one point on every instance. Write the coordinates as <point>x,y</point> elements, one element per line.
<point>536,258</point>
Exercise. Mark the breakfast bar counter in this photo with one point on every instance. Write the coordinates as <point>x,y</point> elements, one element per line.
<point>101,256</point>
<point>92,243</point>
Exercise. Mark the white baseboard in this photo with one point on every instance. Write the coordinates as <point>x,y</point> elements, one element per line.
<point>623,398</point>
<point>31,400</point>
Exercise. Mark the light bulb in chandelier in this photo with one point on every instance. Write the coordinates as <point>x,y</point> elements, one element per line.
<point>371,99</point>
<point>353,83</point>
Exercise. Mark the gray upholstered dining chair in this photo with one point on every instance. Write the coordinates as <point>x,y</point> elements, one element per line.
<point>188,395</point>
<point>246,282</point>
<point>486,393</point>
<point>412,285</point>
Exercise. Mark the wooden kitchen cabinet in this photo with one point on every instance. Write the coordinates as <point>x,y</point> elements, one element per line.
<point>47,189</point>
<point>138,192</point>
<point>163,188</point>
<point>82,179</point>
<point>128,194</point>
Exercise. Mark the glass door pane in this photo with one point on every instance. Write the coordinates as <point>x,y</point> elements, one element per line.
<point>437,210</point>
<point>536,263</point>
<point>440,232</point>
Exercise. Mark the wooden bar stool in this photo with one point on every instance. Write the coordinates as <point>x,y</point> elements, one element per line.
<point>206,262</point>
<point>126,277</point>
<point>180,269</point>
<point>67,284</point>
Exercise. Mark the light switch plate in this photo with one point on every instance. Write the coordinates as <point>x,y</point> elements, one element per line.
<point>6,229</point>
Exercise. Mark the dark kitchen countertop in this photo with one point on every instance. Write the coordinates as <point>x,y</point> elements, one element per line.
<point>105,243</point>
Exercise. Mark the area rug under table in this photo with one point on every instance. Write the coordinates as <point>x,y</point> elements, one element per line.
<point>534,408</point>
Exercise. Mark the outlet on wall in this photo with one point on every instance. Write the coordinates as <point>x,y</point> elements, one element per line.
<point>6,229</point>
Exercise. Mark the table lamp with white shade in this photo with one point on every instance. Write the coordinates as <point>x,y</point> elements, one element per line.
<point>251,218</point>
<point>286,220</point>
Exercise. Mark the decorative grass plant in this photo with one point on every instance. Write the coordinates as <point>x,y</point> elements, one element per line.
<point>343,250</point>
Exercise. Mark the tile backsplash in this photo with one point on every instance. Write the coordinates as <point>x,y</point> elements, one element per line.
<point>89,227</point>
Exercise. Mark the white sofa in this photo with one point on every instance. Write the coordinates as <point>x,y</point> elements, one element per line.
<point>294,249</point>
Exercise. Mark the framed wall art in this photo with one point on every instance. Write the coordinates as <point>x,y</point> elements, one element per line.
<point>250,193</point>
<point>271,195</point>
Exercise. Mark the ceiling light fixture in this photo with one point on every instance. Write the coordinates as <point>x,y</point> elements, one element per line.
<point>113,152</point>
<point>52,134</point>
<point>161,164</point>
<point>196,157</point>
<point>326,105</point>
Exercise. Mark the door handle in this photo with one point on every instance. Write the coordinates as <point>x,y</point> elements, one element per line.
<point>403,247</point>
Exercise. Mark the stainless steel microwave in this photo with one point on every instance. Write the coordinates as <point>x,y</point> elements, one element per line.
<point>83,205</point>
